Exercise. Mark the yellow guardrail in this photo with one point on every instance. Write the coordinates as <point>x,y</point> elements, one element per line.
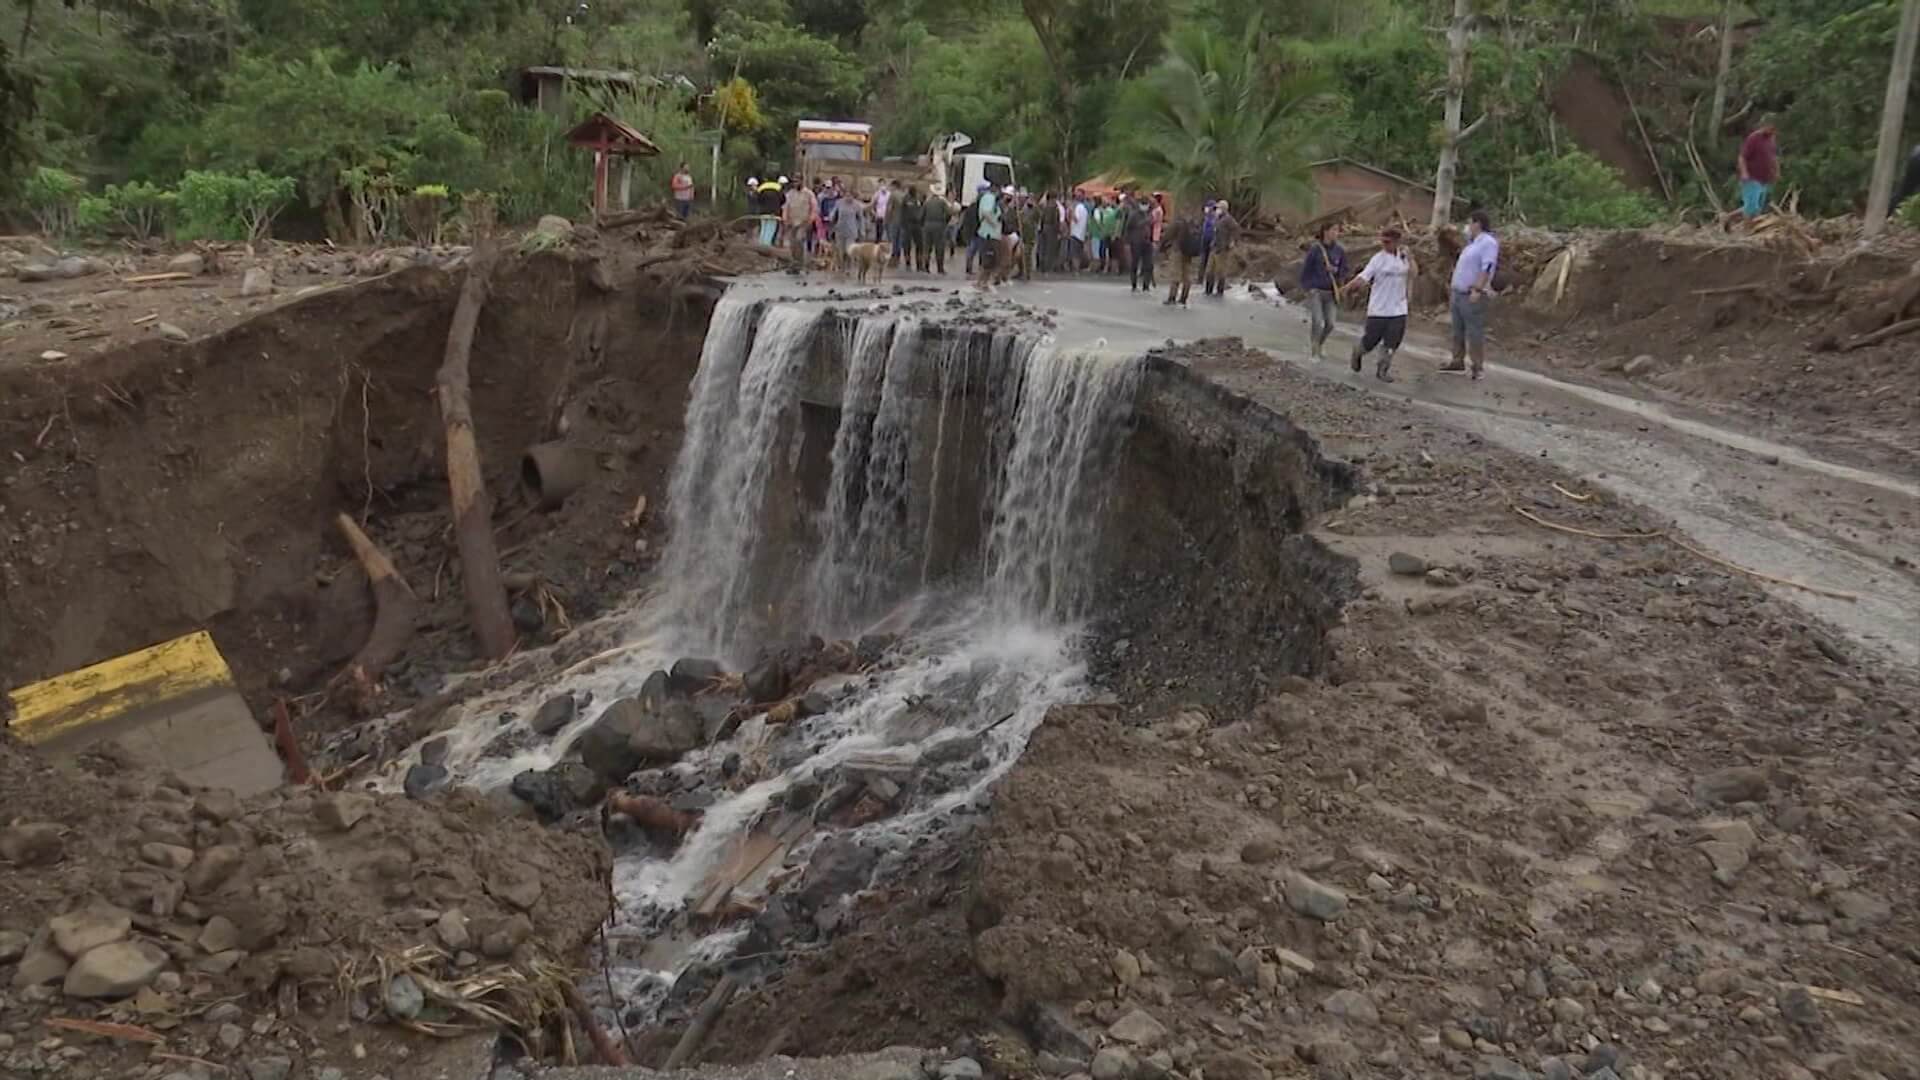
<point>65,704</point>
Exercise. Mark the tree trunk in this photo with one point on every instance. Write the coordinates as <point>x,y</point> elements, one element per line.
<point>1892,117</point>
<point>1719,115</point>
<point>472,507</point>
<point>1456,97</point>
<point>395,611</point>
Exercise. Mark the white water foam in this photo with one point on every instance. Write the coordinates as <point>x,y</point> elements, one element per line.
<point>980,661</point>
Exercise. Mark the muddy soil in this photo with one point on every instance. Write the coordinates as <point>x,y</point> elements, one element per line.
<point>1556,797</point>
<point>166,487</point>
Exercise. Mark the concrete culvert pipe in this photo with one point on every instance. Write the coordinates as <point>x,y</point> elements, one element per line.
<point>553,471</point>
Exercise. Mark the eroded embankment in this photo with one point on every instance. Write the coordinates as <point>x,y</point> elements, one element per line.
<point>173,487</point>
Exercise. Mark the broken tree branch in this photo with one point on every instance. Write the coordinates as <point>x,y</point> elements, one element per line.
<point>696,1033</point>
<point>597,1035</point>
<point>396,610</point>
<point>472,507</point>
<point>1885,332</point>
<point>1471,129</point>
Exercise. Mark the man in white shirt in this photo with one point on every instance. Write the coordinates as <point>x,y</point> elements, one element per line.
<point>1387,278</point>
<point>882,213</point>
<point>1077,233</point>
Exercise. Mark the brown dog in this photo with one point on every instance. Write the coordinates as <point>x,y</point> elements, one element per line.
<point>867,259</point>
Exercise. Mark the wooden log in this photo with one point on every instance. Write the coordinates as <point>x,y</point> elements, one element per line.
<point>472,507</point>
<point>610,1054</point>
<point>697,1031</point>
<point>1885,332</point>
<point>396,611</point>
<point>652,813</point>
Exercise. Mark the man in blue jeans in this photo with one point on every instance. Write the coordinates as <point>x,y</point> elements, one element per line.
<point>1471,291</point>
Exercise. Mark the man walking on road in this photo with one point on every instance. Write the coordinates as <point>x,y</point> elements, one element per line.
<point>1471,292</point>
<point>1222,262</point>
<point>1320,277</point>
<point>1136,225</point>
<point>1387,275</point>
<point>912,215</point>
<point>989,208</point>
<point>1079,223</point>
<point>1759,168</point>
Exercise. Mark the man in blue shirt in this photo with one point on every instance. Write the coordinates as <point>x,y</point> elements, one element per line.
<point>1471,292</point>
<point>1320,277</point>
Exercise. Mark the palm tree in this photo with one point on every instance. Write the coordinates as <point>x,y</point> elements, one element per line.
<point>1209,119</point>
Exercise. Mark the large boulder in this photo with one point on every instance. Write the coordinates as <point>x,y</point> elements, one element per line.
<point>558,791</point>
<point>114,971</point>
<point>693,674</point>
<point>663,736</point>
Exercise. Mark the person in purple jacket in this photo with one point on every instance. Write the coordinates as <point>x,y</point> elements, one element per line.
<point>1321,277</point>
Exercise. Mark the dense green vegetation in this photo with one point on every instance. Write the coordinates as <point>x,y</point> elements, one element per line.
<point>362,118</point>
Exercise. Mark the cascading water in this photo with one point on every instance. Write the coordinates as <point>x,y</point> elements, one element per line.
<point>967,471</point>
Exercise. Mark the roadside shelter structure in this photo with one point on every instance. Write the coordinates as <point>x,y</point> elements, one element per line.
<point>609,138</point>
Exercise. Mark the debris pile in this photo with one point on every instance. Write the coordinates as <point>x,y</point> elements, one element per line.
<point>191,923</point>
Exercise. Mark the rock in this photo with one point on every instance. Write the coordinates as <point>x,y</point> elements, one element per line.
<point>1639,365</point>
<point>1259,851</point>
<point>499,942</point>
<point>514,888</point>
<point>171,332</point>
<point>341,810</point>
<point>1457,1038</point>
<point>1210,960</point>
<point>961,1069</point>
<point>1727,860</point>
<point>887,1070</point>
<point>213,867</point>
<point>1234,1065</point>
<point>1861,907</point>
<point>257,281</point>
<point>404,998</point>
<point>167,856</point>
<point>663,737</point>
<point>1499,1068</point>
<point>1555,1068</point>
<point>1314,899</point>
<point>691,674</point>
<point>13,945</point>
<point>218,935</point>
<point>1052,1064</point>
<point>34,844</point>
<point>1442,577</point>
<point>219,963</point>
<point>274,1067</point>
<point>434,751</point>
<point>218,806</point>
<point>559,790</point>
<point>1406,565</point>
<point>36,271</point>
<point>1294,960</point>
<point>1137,1029</point>
<point>80,932</point>
<point>187,263</point>
<point>554,226</point>
<point>1737,833</point>
<point>1126,967</point>
<point>1798,1005</point>
<point>1740,783</point>
<point>1351,1005</point>
<point>604,745</point>
<point>1113,1063</point>
<point>452,930</point>
<point>114,971</point>
<point>231,1036</point>
<point>1604,1056</point>
<point>1720,982</point>
<point>766,682</point>
<point>41,963</point>
<point>423,780</point>
<point>1569,1012</point>
<point>53,356</point>
<point>552,715</point>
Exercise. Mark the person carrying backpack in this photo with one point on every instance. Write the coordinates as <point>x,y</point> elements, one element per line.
<point>1182,238</point>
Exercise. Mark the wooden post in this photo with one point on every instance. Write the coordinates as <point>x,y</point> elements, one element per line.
<point>472,507</point>
<point>1719,114</point>
<point>1892,119</point>
<point>600,178</point>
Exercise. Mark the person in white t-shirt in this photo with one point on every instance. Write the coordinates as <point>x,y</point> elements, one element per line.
<point>1387,277</point>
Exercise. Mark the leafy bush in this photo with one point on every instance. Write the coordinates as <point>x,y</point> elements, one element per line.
<point>1909,213</point>
<point>1576,190</point>
<point>229,206</point>
<point>426,211</point>
<point>141,209</point>
<point>53,196</point>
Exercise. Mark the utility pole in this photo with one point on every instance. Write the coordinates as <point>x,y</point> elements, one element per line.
<point>1719,115</point>
<point>1893,114</point>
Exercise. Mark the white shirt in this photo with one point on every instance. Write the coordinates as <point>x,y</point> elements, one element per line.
<point>1388,274</point>
<point>1079,221</point>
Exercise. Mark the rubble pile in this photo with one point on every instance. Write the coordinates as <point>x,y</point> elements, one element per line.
<point>242,931</point>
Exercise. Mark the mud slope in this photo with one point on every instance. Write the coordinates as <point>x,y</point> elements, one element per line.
<point>169,487</point>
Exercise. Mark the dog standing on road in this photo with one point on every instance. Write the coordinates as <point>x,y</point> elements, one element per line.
<point>867,259</point>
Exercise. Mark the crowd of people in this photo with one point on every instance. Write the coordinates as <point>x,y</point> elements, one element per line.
<point>1004,235</point>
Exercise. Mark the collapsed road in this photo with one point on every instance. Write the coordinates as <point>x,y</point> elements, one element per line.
<point>1022,685</point>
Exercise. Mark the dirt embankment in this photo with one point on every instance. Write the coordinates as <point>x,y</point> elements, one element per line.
<point>166,487</point>
<point>1558,802</point>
